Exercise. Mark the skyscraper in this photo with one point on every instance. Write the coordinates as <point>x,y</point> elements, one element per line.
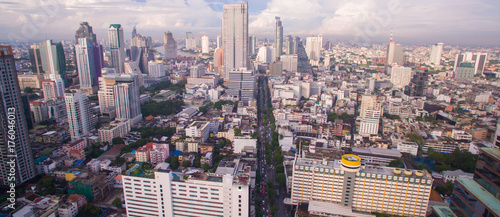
<point>219,41</point>
<point>205,44</point>
<point>265,54</point>
<point>418,84</point>
<point>36,59</point>
<point>400,76</point>
<point>478,59</point>
<point>78,111</point>
<point>296,41</point>
<point>253,45</point>
<point>117,47</point>
<point>13,127</point>
<point>170,46</point>
<point>394,53</point>
<point>289,47</point>
<point>89,61</point>
<point>313,49</point>
<point>436,52</point>
<point>53,59</point>
<point>134,32</point>
<point>105,94</point>
<point>278,40</point>
<point>235,37</point>
<point>241,85</point>
<point>126,97</point>
<point>218,58</point>
<point>85,31</point>
<point>190,41</point>
<point>52,88</point>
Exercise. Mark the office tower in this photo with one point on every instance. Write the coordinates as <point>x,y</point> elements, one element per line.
<point>53,88</point>
<point>190,41</point>
<point>241,85</point>
<point>479,60</point>
<point>78,111</point>
<point>418,85</point>
<point>134,32</point>
<point>89,60</point>
<point>436,53</point>
<point>117,47</point>
<point>235,37</point>
<point>52,59</point>
<point>85,31</point>
<point>170,46</point>
<point>265,54</point>
<point>278,39</point>
<point>289,47</point>
<point>465,71</point>
<point>169,194</point>
<point>369,102</point>
<point>14,139</point>
<point>156,70</point>
<point>253,44</point>
<point>296,41</point>
<point>197,71</point>
<point>400,76</point>
<point>218,58</point>
<point>479,196</point>
<point>327,61</point>
<point>126,97</point>
<point>370,123</point>
<point>142,51</point>
<point>313,49</point>
<point>290,62</point>
<point>205,44</point>
<point>105,94</point>
<point>343,187</point>
<point>395,53</point>
<point>35,59</point>
<point>219,41</point>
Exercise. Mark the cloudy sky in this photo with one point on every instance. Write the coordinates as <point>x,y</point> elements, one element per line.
<point>462,22</point>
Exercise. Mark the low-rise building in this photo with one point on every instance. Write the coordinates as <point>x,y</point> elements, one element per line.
<point>117,128</point>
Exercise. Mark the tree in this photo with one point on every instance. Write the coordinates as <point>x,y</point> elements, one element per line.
<point>174,162</point>
<point>197,162</point>
<point>398,163</point>
<point>237,132</point>
<point>90,209</point>
<point>117,202</point>
<point>28,90</point>
<point>117,141</point>
<point>280,168</point>
<point>205,167</point>
<point>186,164</point>
<point>274,209</point>
<point>281,179</point>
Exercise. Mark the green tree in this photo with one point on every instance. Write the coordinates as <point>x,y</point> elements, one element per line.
<point>237,132</point>
<point>205,167</point>
<point>280,168</point>
<point>197,162</point>
<point>117,141</point>
<point>281,179</point>
<point>117,202</point>
<point>186,164</point>
<point>28,90</point>
<point>174,162</point>
<point>90,209</point>
<point>398,163</point>
<point>274,209</point>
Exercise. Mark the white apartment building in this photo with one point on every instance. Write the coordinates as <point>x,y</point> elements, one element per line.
<point>170,194</point>
<point>78,110</point>
<point>156,70</point>
<point>370,122</point>
<point>408,147</point>
<point>245,144</point>
<point>400,76</point>
<point>117,128</point>
<point>364,189</point>
<point>105,93</point>
<point>199,129</point>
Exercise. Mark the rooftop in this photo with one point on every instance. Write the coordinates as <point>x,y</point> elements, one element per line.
<point>494,152</point>
<point>443,211</point>
<point>490,201</point>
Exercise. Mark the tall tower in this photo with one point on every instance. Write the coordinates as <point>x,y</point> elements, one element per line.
<point>289,45</point>
<point>313,49</point>
<point>78,110</point>
<point>170,46</point>
<point>14,139</point>
<point>278,41</point>
<point>53,60</point>
<point>117,47</point>
<point>126,97</point>
<point>235,37</point>
<point>89,60</point>
<point>205,44</point>
<point>219,41</point>
<point>190,41</point>
<point>85,31</point>
<point>134,32</point>
<point>253,44</point>
<point>436,52</point>
<point>395,53</point>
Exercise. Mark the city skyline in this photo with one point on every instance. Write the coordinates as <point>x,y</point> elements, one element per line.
<point>361,21</point>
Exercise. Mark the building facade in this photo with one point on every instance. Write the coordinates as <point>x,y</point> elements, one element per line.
<point>235,37</point>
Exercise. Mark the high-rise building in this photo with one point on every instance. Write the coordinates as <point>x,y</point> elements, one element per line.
<point>465,71</point>
<point>85,31</point>
<point>436,53</point>
<point>197,71</point>
<point>105,93</point>
<point>35,59</point>
<point>479,196</point>
<point>78,111</point>
<point>15,148</point>
<point>253,45</point>
<point>278,39</point>
<point>479,60</point>
<point>370,123</point>
<point>170,46</point>
<point>117,47</point>
<point>265,54</point>
<point>343,187</point>
<point>235,37</point>
<point>205,44</point>
<point>52,88</point>
<point>190,41</point>
<point>289,46</point>
<point>296,41</point>
<point>126,97</point>
<point>134,32</point>
<point>241,85</point>
<point>313,49</point>
<point>169,194</point>
<point>219,41</point>
<point>156,70</point>
<point>400,76</point>
<point>290,62</point>
<point>395,53</point>
<point>52,59</point>
<point>418,85</point>
<point>89,61</point>
<point>218,58</point>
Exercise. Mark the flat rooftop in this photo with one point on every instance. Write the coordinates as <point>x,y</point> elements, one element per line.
<point>482,194</point>
<point>494,152</point>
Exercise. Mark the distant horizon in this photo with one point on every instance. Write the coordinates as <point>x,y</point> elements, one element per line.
<point>453,22</point>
